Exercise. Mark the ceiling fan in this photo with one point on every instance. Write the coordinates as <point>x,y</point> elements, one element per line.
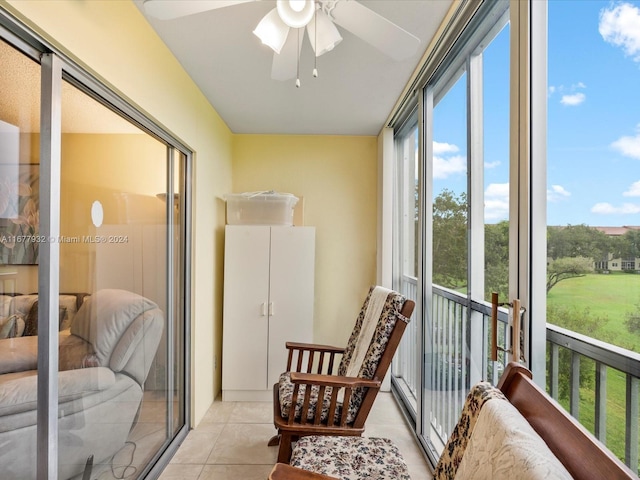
<point>282,29</point>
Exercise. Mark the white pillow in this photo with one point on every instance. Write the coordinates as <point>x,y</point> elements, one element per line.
<point>12,326</point>
<point>504,446</point>
<point>22,304</point>
<point>5,306</point>
<point>69,303</point>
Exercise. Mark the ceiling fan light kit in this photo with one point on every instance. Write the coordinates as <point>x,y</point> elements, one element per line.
<point>296,13</point>
<point>323,34</point>
<point>320,18</point>
<point>272,31</point>
<point>274,28</point>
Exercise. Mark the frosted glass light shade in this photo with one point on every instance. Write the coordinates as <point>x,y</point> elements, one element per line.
<point>296,13</point>
<point>272,31</point>
<point>328,35</point>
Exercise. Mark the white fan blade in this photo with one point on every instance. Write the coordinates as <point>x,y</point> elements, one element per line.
<point>376,30</point>
<point>170,9</point>
<point>285,64</point>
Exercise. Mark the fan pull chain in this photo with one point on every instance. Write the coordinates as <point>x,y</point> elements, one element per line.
<point>298,66</point>
<point>315,47</point>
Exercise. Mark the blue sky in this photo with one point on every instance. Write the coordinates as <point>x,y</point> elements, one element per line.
<point>593,151</point>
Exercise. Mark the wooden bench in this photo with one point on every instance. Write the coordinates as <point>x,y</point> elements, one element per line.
<point>578,450</point>
<point>572,450</point>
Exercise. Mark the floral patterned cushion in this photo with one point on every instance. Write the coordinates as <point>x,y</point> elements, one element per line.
<point>459,439</point>
<point>386,323</point>
<point>350,458</point>
<point>286,394</point>
<point>390,314</point>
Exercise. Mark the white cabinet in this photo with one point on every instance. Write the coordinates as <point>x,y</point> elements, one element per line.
<point>268,300</point>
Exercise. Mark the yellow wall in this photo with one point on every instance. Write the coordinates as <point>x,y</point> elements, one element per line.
<point>337,176</point>
<point>113,40</point>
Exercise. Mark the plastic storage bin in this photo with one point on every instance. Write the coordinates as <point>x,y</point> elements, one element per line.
<point>260,208</point>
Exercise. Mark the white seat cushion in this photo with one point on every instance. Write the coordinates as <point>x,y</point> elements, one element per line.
<point>504,446</point>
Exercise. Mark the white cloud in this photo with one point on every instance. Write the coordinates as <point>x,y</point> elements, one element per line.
<point>496,210</point>
<point>628,146</point>
<point>496,202</point>
<point>446,164</point>
<point>442,148</point>
<point>443,167</point>
<point>569,95</point>
<point>556,193</point>
<point>497,190</point>
<point>620,26</point>
<point>573,99</point>
<point>492,164</point>
<point>634,190</point>
<point>608,209</point>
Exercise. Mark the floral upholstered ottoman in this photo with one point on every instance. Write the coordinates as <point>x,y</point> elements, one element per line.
<point>350,458</point>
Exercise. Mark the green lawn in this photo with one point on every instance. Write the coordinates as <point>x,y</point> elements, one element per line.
<point>608,297</point>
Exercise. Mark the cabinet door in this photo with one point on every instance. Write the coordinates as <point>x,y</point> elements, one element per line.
<point>246,294</point>
<point>291,293</point>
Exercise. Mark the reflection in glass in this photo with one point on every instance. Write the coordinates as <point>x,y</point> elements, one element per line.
<point>19,242</point>
<point>120,320</point>
<point>495,58</point>
<point>113,254</point>
<point>450,245</point>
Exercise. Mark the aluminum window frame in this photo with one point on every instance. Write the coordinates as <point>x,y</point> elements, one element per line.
<point>528,75</point>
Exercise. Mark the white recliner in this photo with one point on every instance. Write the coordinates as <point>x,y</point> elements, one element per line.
<point>104,360</point>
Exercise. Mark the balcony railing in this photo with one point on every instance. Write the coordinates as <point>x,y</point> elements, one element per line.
<point>602,377</point>
<point>598,383</point>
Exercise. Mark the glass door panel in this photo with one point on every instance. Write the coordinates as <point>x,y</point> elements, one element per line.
<point>116,217</point>
<point>492,273</point>
<point>19,257</point>
<point>449,261</point>
<point>468,187</point>
<point>593,207</point>
<point>406,254</point>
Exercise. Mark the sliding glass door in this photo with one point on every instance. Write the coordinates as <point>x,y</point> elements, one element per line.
<point>465,226</point>
<point>593,287</point>
<point>93,276</point>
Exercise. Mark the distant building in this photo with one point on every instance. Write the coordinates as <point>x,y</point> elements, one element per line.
<point>617,264</point>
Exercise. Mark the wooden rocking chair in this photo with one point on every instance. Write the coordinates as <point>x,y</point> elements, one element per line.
<point>347,394</point>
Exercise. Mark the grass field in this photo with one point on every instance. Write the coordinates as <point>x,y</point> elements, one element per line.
<point>611,297</point>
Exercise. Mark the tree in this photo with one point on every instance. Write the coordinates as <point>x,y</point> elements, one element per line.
<point>578,241</point>
<point>581,321</point>
<point>496,260</point>
<point>567,267</point>
<point>450,239</point>
<point>629,245</point>
<point>573,250</point>
<point>633,320</point>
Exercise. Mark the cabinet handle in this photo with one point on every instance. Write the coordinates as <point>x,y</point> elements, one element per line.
<point>271,309</point>
<point>264,309</point>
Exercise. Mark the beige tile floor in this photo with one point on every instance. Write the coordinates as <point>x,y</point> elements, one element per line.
<point>231,442</point>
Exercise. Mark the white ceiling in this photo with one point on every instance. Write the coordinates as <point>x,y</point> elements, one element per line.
<point>354,93</point>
